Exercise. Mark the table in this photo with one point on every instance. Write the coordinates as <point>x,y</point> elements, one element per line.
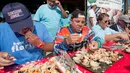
<point>121,66</point>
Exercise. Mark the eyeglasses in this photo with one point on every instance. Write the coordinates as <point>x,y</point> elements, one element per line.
<point>106,21</point>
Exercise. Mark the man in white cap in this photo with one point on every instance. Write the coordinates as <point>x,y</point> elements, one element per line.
<point>122,23</point>
<point>91,18</point>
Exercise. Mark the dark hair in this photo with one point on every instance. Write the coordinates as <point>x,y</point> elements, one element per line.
<point>1,19</point>
<point>101,16</point>
<point>76,12</point>
<point>93,6</point>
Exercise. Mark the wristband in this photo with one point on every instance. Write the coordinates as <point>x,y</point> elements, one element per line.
<point>99,44</point>
<point>41,45</point>
<point>98,41</point>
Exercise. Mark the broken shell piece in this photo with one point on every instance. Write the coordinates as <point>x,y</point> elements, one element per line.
<point>86,62</point>
<point>95,68</point>
<point>79,56</point>
<point>114,59</point>
<point>76,59</point>
<point>128,50</point>
<point>94,64</point>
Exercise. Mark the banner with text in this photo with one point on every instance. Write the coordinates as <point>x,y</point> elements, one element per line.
<point>111,7</point>
<point>112,4</point>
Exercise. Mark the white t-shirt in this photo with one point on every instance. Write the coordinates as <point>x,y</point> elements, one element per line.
<point>92,14</point>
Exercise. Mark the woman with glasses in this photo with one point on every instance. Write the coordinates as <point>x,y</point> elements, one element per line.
<point>106,33</point>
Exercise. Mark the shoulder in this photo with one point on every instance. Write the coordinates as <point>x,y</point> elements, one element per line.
<point>86,28</point>
<point>63,33</point>
<point>39,25</point>
<point>4,25</point>
<point>4,28</point>
<point>64,29</point>
<point>91,10</point>
<point>96,26</point>
<point>43,5</point>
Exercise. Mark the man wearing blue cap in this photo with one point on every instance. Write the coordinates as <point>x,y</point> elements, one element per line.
<point>21,39</point>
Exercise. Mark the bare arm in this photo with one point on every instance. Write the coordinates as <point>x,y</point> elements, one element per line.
<point>114,37</point>
<point>34,40</point>
<point>64,14</point>
<point>48,47</point>
<point>111,37</point>
<point>91,21</point>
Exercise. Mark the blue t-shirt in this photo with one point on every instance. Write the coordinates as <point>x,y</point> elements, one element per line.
<point>50,18</point>
<point>101,33</point>
<point>17,46</point>
<point>64,22</point>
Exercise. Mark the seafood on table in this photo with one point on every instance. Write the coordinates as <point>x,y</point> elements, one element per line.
<point>96,60</point>
<point>55,64</point>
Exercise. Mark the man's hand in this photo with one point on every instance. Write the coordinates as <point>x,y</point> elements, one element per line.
<point>32,38</point>
<point>6,59</point>
<point>127,30</point>
<point>58,3</point>
<point>124,36</point>
<point>73,38</point>
<point>93,45</point>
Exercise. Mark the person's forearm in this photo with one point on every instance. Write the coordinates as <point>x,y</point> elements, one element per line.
<point>112,37</point>
<point>48,47</point>
<point>91,21</point>
<point>64,14</point>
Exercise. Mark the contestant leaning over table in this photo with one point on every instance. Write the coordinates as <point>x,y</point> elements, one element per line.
<point>75,32</point>
<point>122,24</point>
<point>20,37</point>
<point>106,33</point>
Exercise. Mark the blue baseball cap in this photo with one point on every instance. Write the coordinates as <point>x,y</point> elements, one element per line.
<point>17,15</point>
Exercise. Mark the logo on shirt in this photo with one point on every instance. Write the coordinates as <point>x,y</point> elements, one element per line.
<point>19,46</point>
